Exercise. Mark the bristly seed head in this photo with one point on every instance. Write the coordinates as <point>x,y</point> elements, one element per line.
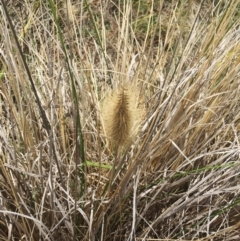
<point>121,116</point>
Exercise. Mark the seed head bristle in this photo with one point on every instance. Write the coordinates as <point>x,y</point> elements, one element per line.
<point>120,116</point>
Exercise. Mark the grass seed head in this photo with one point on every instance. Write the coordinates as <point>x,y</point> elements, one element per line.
<point>122,116</point>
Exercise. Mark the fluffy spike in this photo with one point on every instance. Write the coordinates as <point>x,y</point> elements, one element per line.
<point>121,116</point>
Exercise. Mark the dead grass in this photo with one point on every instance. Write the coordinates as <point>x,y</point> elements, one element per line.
<point>178,178</point>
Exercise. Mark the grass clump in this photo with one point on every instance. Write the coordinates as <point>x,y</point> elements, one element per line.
<point>119,120</point>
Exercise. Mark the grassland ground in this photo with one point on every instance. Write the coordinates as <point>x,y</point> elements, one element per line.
<point>119,120</point>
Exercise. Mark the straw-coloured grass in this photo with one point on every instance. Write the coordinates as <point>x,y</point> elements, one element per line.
<point>119,120</point>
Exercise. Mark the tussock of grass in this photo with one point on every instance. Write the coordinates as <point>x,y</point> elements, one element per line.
<point>119,120</point>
